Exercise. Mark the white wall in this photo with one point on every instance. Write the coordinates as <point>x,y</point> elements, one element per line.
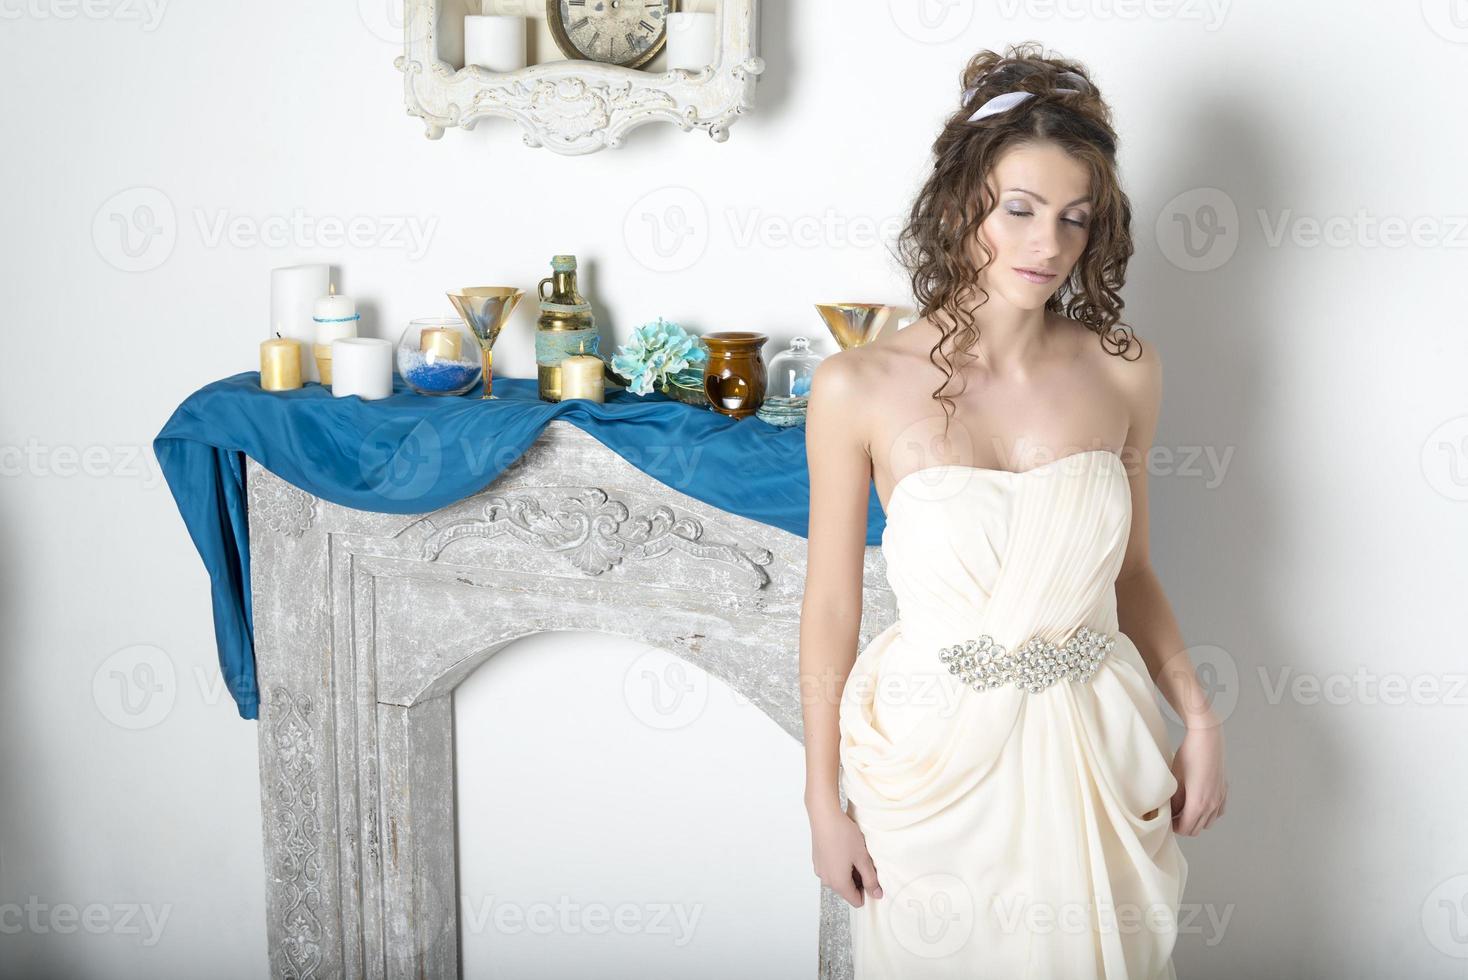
<point>1329,547</point>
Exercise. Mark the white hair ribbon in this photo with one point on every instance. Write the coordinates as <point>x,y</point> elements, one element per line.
<point>1008,100</point>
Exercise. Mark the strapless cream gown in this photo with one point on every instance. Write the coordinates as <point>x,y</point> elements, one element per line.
<point>1016,834</point>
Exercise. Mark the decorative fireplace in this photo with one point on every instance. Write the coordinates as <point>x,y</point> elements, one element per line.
<point>366,622</point>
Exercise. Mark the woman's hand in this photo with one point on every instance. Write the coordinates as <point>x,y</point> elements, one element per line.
<point>1201,786</point>
<point>839,854</point>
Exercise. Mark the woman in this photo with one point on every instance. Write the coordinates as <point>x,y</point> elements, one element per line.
<point>1013,806</point>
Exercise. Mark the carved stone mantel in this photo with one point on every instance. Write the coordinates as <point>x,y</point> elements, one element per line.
<point>366,622</point>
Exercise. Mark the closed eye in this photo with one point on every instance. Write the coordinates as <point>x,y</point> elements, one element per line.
<point>1030,214</point>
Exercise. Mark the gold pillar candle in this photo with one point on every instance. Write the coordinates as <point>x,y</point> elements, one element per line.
<point>441,343</point>
<point>582,376</point>
<point>280,364</point>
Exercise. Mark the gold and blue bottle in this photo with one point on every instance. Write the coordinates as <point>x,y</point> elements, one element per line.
<point>565,327</point>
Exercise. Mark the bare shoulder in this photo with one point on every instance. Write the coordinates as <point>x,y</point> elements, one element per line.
<point>1136,373</point>
<point>850,375</point>
<point>848,386</point>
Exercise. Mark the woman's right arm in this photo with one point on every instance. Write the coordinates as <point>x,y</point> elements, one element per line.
<point>830,616</point>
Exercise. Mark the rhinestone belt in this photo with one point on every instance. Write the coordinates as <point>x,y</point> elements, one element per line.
<point>983,664</point>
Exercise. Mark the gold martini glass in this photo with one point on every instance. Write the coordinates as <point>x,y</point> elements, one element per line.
<point>484,310</point>
<point>854,324</point>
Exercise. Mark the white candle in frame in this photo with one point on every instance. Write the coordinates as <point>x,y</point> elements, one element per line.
<point>494,41</point>
<point>691,40</point>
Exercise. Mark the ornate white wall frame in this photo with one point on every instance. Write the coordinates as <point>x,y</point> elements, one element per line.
<point>365,623</point>
<point>576,106</point>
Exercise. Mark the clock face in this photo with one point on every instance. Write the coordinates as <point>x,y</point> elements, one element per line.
<point>614,32</point>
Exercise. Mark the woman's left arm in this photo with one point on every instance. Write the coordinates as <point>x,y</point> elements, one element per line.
<point>1145,616</point>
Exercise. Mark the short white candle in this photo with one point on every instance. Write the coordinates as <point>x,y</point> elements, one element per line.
<point>690,40</point>
<point>494,41</point>
<point>361,366</point>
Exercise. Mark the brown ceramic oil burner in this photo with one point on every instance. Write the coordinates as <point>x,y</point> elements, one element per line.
<point>734,379</point>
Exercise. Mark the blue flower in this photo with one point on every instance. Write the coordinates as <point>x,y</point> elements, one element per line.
<point>656,352</point>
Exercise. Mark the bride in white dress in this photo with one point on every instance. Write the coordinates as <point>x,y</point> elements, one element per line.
<point>1013,805</point>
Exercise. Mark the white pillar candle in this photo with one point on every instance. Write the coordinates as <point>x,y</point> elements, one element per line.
<point>335,317</point>
<point>690,40</point>
<point>494,41</point>
<point>361,366</point>
<point>294,290</point>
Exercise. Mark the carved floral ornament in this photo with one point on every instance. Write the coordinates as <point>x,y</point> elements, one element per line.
<point>285,509</point>
<point>576,106</point>
<point>595,532</point>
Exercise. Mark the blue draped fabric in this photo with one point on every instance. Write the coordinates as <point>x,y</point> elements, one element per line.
<point>411,454</point>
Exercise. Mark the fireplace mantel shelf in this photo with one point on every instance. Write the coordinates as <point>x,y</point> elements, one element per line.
<point>366,622</point>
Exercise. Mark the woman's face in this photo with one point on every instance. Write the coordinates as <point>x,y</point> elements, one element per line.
<point>1039,227</point>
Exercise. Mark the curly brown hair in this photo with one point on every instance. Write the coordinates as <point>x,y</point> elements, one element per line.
<point>943,220</point>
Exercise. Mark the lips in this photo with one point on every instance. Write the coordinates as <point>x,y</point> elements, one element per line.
<point>1035,275</point>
